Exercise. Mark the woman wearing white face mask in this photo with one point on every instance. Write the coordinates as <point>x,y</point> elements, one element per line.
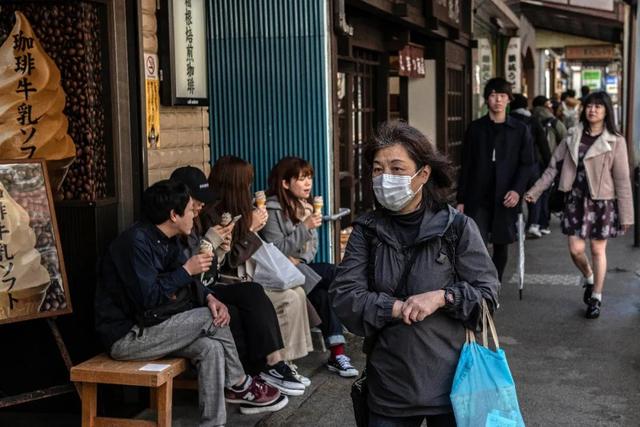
<point>414,275</point>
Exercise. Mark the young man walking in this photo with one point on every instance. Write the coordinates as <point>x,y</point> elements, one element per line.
<point>149,304</point>
<point>497,157</point>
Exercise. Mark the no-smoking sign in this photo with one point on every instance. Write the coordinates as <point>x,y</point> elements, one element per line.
<point>151,66</point>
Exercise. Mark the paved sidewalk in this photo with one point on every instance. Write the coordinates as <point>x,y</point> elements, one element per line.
<point>569,371</point>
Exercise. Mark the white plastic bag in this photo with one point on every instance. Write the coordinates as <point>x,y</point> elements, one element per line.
<point>274,270</point>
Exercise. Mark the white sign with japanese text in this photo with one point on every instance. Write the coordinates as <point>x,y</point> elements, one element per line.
<point>513,66</point>
<point>190,47</point>
<point>485,60</point>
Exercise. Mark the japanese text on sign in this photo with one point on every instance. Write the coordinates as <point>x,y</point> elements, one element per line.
<point>24,65</point>
<point>512,65</point>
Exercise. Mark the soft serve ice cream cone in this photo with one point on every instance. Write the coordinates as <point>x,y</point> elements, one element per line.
<point>205,247</point>
<point>225,219</point>
<point>25,280</point>
<point>318,203</point>
<point>261,199</point>
<point>32,123</point>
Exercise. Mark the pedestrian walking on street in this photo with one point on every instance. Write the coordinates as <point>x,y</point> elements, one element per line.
<point>594,172</point>
<point>519,111</point>
<point>413,277</point>
<point>497,157</point>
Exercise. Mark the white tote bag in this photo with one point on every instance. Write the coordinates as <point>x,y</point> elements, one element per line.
<point>274,270</point>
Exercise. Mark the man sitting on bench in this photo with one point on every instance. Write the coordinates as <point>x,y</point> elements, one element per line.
<point>151,304</point>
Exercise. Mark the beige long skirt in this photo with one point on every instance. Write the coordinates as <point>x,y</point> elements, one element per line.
<point>291,308</point>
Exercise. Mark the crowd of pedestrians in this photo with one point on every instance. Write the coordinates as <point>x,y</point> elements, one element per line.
<point>415,275</point>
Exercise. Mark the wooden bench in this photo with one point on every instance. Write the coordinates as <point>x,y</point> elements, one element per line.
<point>104,370</point>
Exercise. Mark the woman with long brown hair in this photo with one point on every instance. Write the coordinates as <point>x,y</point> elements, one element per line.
<point>292,227</point>
<point>594,173</point>
<point>232,178</point>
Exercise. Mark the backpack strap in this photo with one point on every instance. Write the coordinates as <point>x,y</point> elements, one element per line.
<point>451,236</point>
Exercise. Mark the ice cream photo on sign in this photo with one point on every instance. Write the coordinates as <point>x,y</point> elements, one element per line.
<point>32,121</point>
<point>23,279</point>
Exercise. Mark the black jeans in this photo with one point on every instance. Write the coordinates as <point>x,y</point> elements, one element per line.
<point>254,323</point>
<point>331,326</point>
<point>443,420</point>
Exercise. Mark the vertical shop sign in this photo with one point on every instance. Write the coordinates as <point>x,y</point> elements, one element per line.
<point>485,60</point>
<point>152,91</point>
<point>183,38</point>
<point>513,65</point>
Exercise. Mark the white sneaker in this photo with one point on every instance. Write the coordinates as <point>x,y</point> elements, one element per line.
<point>545,231</point>
<point>294,369</point>
<point>534,232</point>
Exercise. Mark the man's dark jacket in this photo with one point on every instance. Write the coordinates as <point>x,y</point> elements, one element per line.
<point>141,270</point>
<point>514,159</point>
<point>539,139</point>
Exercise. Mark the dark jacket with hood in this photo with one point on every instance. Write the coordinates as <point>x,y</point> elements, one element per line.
<point>411,367</point>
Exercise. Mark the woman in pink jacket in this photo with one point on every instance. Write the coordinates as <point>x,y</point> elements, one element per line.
<point>594,173</point>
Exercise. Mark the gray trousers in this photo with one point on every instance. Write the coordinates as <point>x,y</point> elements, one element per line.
<point>191,334</point>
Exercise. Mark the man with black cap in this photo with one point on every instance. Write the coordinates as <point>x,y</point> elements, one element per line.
<point>254,322</point>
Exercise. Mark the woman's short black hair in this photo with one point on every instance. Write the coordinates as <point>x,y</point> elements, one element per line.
<point>497,85</point>
<point>437,190</point>
<point>163,197</point>
<point>600,98</point>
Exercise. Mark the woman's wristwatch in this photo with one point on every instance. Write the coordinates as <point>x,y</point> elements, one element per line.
<point>449,297</point>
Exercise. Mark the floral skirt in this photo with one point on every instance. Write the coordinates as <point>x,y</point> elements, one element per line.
<point>590,219</point>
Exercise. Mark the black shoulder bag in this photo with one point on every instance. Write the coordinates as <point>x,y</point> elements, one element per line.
<point>359,388</point>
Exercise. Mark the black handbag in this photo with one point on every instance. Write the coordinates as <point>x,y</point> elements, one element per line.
<point>183,301</point>
<point>556,197</point>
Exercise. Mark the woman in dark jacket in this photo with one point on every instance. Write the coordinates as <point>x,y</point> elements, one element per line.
<point>397,282</point>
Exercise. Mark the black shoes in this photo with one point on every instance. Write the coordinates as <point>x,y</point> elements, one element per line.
<point>593,308</point>
<point>588,290</point>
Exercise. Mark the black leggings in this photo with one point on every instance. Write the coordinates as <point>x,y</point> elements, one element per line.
<point>254,323</point>
<point>500,256</point>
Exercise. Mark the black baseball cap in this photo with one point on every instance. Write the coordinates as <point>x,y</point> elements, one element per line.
<point>197,182</point>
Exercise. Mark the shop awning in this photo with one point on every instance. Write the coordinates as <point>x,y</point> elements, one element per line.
<point>499,10</point>
<point>579,21</point>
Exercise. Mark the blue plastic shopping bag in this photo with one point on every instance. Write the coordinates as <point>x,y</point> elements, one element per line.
<point>483,392</point>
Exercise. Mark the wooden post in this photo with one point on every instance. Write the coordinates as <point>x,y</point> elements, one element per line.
<point>89,398</point>
<point>164,397</point>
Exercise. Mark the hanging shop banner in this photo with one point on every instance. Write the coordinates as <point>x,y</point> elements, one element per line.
<point>485,61</point>
<point>33,282</point>
<point>590,53</point>
<point>152,90</point>
<point>183,46</point>
<point>411,61</point>
<point>592,77</point>
<point>513,66</point>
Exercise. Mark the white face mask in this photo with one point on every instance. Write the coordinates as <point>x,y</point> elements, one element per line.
<point>394,191</point>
